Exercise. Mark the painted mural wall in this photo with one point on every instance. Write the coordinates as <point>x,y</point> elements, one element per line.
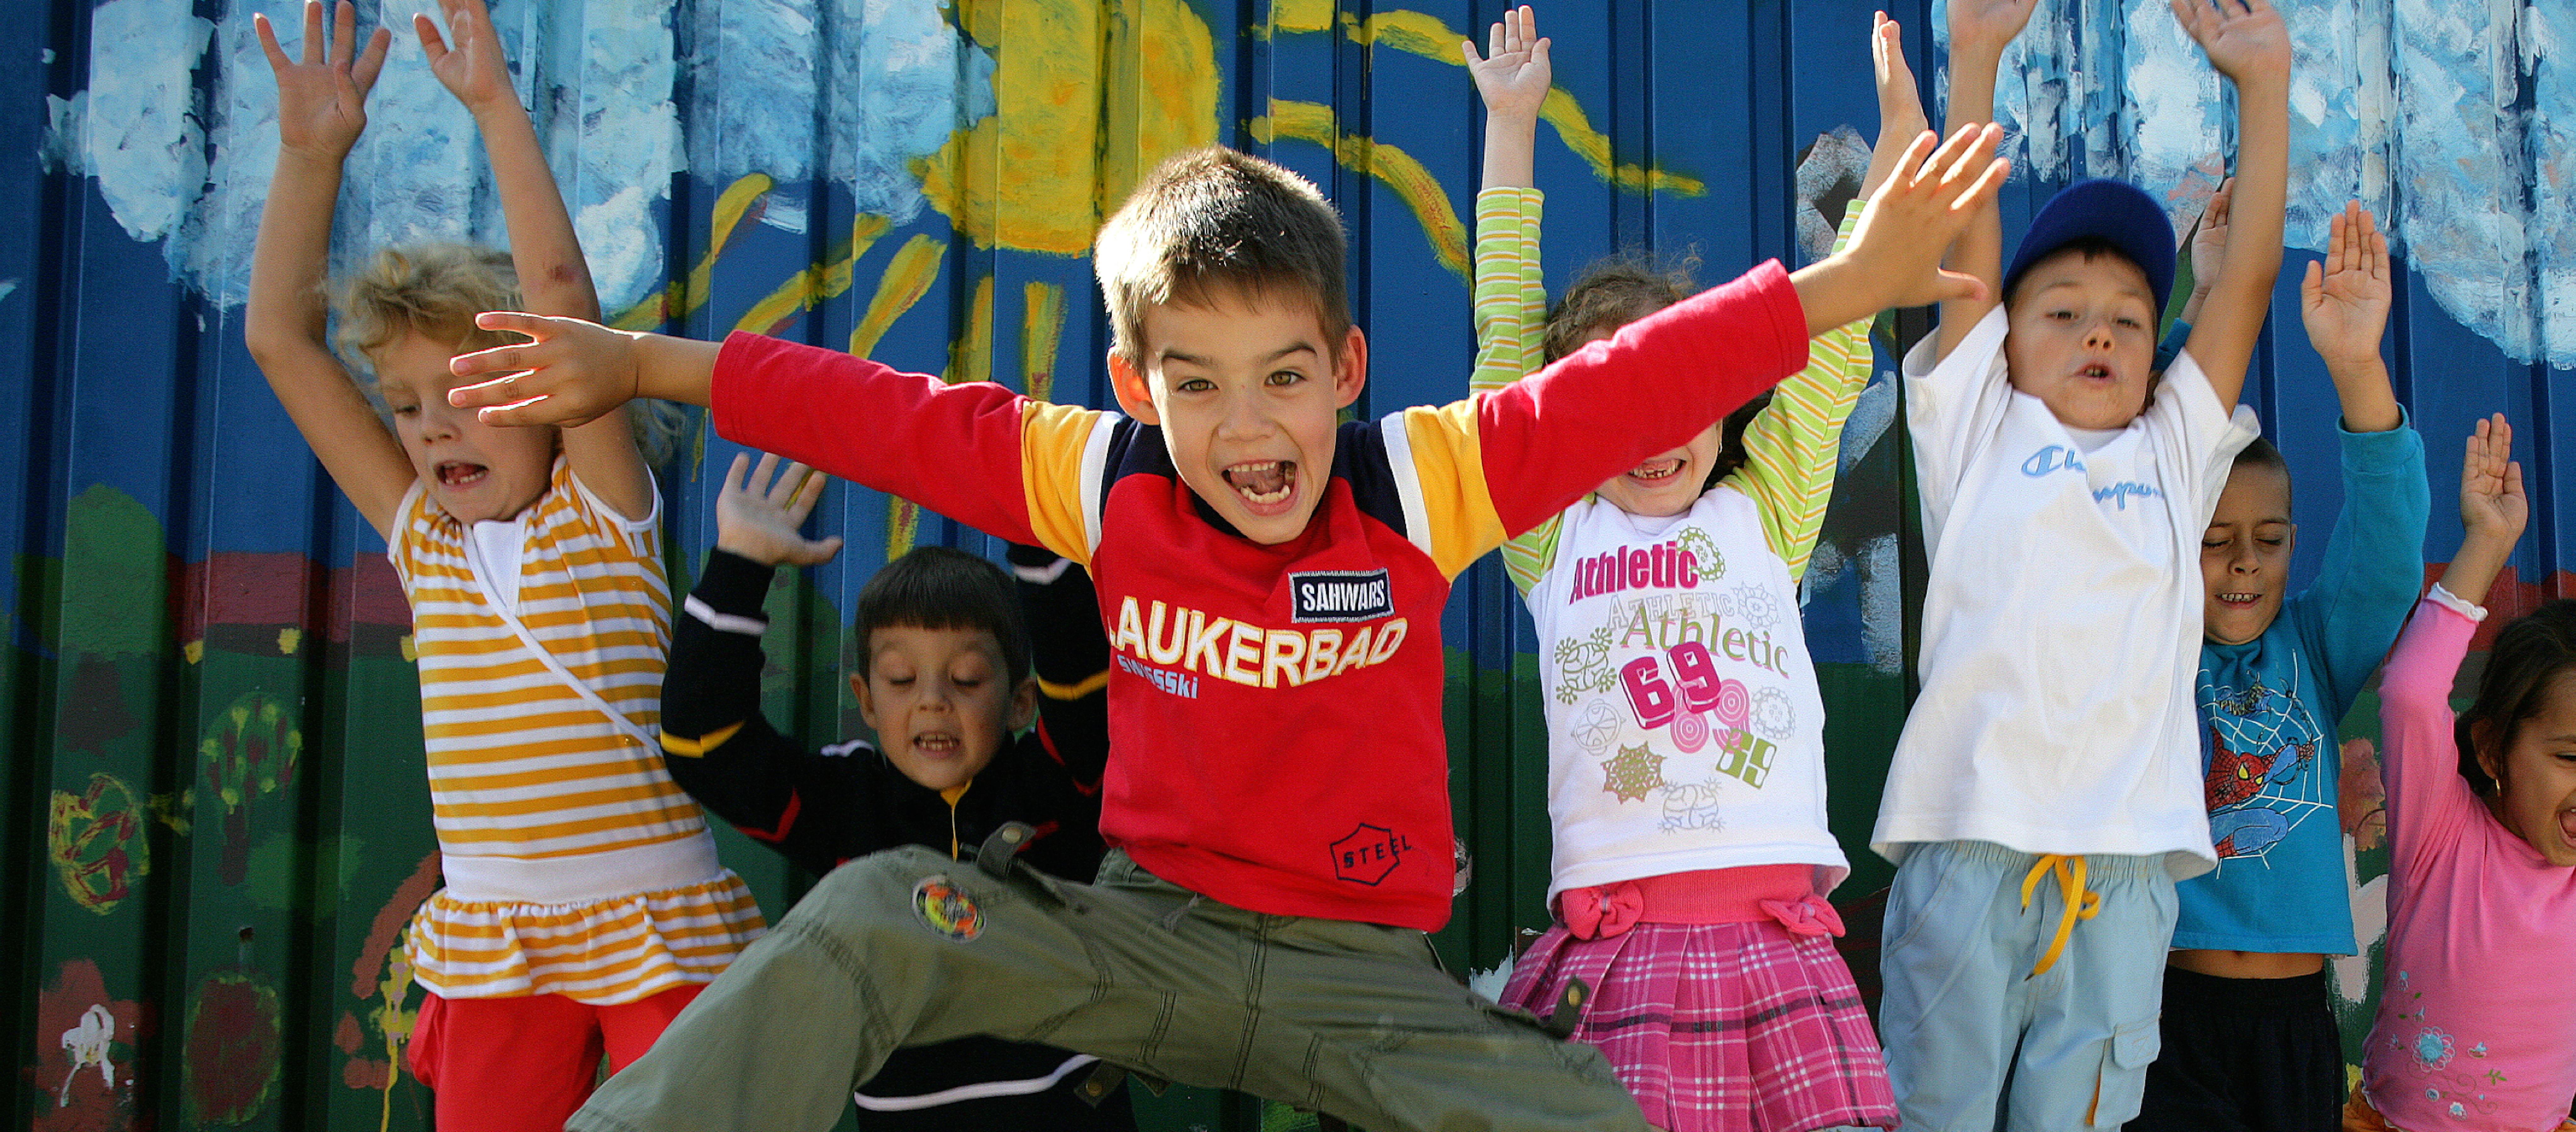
<point>209,740</point>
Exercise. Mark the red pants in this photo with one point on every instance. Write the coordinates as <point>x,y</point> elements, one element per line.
<point>524,1064</point>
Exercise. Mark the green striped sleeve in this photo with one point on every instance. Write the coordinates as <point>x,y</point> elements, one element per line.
<point>1791,447</point>
<point>1511,328</point>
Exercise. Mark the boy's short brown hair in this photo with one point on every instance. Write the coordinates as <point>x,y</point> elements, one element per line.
<point>1213,220</point>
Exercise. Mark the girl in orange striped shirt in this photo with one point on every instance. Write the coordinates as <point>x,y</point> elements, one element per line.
<point>584,903</point>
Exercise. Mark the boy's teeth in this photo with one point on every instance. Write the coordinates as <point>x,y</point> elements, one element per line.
<point>1268,481</point>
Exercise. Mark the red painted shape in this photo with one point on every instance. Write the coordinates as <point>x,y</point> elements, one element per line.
<point>245,588</point>
<point>2508,598</point>
<point>408,896</point>
<point>81,1093</point>
<point>233,1048</point>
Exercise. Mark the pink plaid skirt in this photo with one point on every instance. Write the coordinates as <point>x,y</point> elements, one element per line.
<point>1720,1027</point>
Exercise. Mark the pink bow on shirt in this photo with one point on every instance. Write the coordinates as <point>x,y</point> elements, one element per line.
<point>1813,915</point>
<point>1601,911</point>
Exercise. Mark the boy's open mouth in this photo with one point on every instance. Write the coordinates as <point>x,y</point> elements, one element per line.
<point>1263,484</point>
<point>458,473</point>
<point>2239,600</point>
<point>1657,470</point>
<point>938,744</point>
<point>2095,372</point>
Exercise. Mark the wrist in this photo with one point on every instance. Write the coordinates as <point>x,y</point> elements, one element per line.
<point>313,160</point>
<point>735,581</point>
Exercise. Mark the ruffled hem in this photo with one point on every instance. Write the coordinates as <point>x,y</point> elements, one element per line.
<point>602,952</point>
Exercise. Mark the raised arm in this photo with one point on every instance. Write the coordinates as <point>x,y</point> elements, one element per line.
<point>321,110</point>
<point>1894,257</point>
<point>1979,32</point>
<point>1794,446</point>
<point>1069,650</point>
<point>1510,290</point>
<point>2344,303</point>
<point>2492,508</point>
<point>715,741</point>
<point>553,277</point>
<point>2247,42</point>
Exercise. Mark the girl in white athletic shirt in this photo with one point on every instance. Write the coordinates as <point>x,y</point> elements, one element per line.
<point>1686,782</point>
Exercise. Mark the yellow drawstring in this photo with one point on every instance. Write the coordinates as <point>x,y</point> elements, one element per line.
<point>951,795</point>
<point>2081,903</point>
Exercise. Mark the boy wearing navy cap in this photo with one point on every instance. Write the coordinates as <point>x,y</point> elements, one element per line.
<point>2047,774</point>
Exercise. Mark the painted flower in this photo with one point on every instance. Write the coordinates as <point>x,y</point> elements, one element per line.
<point>2432,1048</point>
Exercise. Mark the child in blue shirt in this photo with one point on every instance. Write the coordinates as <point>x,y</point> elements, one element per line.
<point>2249,1034</point>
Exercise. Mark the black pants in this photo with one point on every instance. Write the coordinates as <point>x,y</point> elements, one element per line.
<point>2245,1055</point>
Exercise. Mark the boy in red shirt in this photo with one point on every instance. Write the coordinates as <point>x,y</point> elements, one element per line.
<point>1276,799</point>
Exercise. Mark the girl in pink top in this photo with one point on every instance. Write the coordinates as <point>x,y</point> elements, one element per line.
<point>2477,1022</point>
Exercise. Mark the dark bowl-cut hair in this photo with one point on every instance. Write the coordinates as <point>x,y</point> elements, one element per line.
<point>2529,655</point>
<point>1621,288</point>
<point>938,587</point>
<point>1214,223</point>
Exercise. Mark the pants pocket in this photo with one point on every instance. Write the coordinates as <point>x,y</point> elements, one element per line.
<point>2123,1084</point>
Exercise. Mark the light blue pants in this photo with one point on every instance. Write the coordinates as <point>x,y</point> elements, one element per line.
<point>1975,1041</point>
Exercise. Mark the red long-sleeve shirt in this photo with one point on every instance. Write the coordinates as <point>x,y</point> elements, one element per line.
<point>1274,710</point>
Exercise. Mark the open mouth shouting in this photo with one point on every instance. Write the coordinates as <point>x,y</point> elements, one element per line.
<point>937,744</point>
<point>461,474</point>
<point>2567,826</point>
<point>1264,486</point>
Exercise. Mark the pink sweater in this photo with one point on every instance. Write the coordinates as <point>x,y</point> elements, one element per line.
<point>2477,1022</point>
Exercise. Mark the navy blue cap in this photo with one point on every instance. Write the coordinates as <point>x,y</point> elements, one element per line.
<point>2113,211</point>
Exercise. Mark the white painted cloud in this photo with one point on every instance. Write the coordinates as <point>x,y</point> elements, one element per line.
<point>886,82</point>
<point>144,140</point>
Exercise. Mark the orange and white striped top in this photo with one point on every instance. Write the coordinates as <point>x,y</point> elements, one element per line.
<point>574,865</point>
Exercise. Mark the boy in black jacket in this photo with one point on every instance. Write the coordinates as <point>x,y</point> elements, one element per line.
<point>945,681</point>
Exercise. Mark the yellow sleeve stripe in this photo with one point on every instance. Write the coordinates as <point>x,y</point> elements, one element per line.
<point>1057,458</point>
<point>1793,447</point>
<point>1054,691</point>
<point>1438,461</point>
<point>694,748</point>
<point>1511,335</point>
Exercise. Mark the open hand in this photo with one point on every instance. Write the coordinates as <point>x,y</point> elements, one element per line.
<point>2245,39</point>
<point>1900,105</point>
<point>322,105</point>
<point>568,373</point>
<point>1513,75</point>
<point>2492,505</point>
<point>759,515</point>
<point>2345,299</point>
<point>471,68</point>
<point>1922,208</point>
<point>1987,25</point>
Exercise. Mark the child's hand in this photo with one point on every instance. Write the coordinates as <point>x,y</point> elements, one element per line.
<point>759,517</point>
<point>472,68</point>
<point>1513,75</point>
<point>2209,243</point>
<point>2245,39</point>
<point>568,374</point>
<point>1987,24</point>
<point>1900,105</point>
<point>322,107</point>
<point>1912,220</point>
<point>2492,505</point>
<point>2344,300</point>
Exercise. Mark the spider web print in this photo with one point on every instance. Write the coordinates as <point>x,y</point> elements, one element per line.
<point>2263,779</point>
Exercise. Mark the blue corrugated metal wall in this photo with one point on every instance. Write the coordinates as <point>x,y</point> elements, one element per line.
<point>208,732</point>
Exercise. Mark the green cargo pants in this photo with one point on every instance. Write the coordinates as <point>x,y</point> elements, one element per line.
<point>909,947</point>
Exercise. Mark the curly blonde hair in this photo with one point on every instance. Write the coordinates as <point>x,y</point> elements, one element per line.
<point>435,290</point>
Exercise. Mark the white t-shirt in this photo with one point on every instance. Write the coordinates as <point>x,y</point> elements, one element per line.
<point>2061,625</point>
<point>1685,731</point>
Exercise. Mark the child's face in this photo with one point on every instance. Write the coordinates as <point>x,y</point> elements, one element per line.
<point>940,701</point>
<point>2082,338</point>
<point>1669,483</point>
<point>2538,799</point>
<point>1246,390</point>
<point>2245,555</point>
<point>474,470</point>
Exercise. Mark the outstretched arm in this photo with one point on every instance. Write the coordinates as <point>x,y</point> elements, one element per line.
<point>2247,42</point>
<point>1510,290</point>
<point>553,277</point>
<point>321,110</point>
<point>2344,302</point>
<point>2492,508</point>
<point>1894,256</point>
<point>1979,32</point>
